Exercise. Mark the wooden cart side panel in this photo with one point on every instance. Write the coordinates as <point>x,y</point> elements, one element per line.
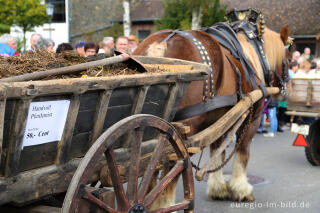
<point>2,114</point>
<point>140,100</point>
<point>64,144</point>
<point>100,114</point>
<point>304,95</point>
<point>67,86</point>
<point>174,99</point>
<point>16,136</point>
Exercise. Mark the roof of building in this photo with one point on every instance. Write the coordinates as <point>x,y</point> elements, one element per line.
<point>302,16</point>
<point>145,10</point>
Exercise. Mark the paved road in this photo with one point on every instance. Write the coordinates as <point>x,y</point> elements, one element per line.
<point>290,183</point>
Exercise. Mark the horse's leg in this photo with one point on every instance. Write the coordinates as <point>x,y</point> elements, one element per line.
<point>168,195</point>
<point>217,186</point>
<point>240,188</point>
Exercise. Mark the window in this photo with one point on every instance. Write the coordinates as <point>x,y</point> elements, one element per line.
<point>142,34</point>
<point>300,47</point>
<point>59,13</point>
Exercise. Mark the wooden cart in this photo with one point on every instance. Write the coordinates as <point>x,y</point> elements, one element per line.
<point>304,103</point>
<point>117,127</point>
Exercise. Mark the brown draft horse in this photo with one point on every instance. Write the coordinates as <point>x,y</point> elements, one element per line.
<point>225,83</point>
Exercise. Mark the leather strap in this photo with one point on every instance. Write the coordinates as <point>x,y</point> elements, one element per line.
<point>206,106</point>
<point>225,35</point>
<point>203,55</point>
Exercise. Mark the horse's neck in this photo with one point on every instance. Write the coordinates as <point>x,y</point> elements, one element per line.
<point>252,56</point>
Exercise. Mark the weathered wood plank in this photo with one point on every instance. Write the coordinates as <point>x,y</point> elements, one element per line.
<point>43,209</point>
<point>175,95</point>
<point>169,67</point>
<point>31,155</point>
<point>64,144</point>
<point>80,85</point>
<point>140,99</point>
<point>103,194</point>
<point>16,136</point>
<point>171,101</point>
<point>100,114</point>
<point>2,114</point>
<point>216,130</point>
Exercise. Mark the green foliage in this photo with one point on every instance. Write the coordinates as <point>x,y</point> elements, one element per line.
<point>214,13</point>
<point>115,31</point>
<point>20,44</point>
<point>4,28</point>
<point>26,14</point>
<point>178,13</point>
<point>7,12</point>
<point>29,14</point>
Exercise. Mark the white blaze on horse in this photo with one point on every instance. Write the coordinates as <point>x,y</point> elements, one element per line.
<point>231,77</point>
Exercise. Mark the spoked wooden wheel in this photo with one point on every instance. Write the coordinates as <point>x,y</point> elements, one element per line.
<point>138,197</point>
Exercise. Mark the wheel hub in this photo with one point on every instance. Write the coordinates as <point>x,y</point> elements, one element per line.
<point>138,208</point>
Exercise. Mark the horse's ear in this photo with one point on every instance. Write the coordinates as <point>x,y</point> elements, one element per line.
<point>284,34</point>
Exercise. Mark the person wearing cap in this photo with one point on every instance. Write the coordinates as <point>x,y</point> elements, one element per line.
<point>80,48</point>
<point>133,43</point>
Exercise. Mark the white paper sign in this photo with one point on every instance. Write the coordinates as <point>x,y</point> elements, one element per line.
<point>46,121</point>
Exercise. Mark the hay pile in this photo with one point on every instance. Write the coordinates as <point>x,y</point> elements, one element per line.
<point>36,62</point>
<point>43,60</point>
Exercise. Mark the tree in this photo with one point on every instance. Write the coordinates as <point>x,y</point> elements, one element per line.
<point>115,31</point>
<point>213,14</point>
<point>126,17</point>
<point>28,14</point>
<point>190,14</point>
<point>7,11</point>
<point>177,15</point>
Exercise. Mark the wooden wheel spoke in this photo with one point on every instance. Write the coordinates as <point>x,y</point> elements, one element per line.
<point>163,184</point>
<point>116,180</point>
<point>92,199</point>
<point>180,206</point>
<point>132,188</point>
<point>148,174</point>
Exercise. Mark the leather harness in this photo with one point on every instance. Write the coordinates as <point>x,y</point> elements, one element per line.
<point>225,34</point>
<point>203,55</point>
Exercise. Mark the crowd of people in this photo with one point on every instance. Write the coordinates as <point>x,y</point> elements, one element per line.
<point>301,65</point>
<point>8,45</point>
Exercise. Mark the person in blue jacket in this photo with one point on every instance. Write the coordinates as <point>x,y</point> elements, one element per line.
<point>6,51</point>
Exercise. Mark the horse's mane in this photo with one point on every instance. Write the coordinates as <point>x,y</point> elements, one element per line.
<point>274,49</point>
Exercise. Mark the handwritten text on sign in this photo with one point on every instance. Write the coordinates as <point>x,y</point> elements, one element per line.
<point>45,122</point>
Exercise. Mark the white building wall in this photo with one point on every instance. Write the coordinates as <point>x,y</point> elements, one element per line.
<point>59,33</point>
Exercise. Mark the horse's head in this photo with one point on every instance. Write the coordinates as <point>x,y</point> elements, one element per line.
<point>274,45</point>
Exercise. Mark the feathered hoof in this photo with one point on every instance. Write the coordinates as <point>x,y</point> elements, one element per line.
<point>248,198</point>
<point>241,191</point>
<point>218,192</point>
<point>220,198</point>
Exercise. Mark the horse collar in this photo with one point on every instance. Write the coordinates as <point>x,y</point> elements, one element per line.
<point>251,31</point>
